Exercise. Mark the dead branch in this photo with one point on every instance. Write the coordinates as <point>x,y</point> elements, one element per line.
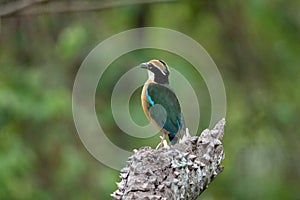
<point>34,7</point>
<point>182,171</point>
<point>17,6</point>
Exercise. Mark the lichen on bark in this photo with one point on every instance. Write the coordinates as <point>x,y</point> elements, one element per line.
<point>182,171</point>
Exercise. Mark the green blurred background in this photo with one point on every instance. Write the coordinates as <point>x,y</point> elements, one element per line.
<point>255,44</point>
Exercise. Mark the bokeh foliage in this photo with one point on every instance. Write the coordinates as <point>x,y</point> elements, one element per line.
<point>255,45</point>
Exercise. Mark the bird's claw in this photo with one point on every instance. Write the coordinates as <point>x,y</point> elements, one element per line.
<point>162,144</point>
<point>185,136</point>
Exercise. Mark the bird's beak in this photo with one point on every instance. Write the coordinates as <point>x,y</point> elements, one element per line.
<point>144,66</point>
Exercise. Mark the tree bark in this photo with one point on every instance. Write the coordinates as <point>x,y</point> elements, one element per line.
<point>182,171</point>
<point>36,7</point>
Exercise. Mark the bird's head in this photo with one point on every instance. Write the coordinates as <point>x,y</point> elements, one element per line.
<point>158,71</point>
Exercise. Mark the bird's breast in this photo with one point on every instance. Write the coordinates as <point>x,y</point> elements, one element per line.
<point>144,98</point>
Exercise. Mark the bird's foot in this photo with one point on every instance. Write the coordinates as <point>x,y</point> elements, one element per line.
<point>185,136</point>
<point>187,133</point>
<point>162,144</point>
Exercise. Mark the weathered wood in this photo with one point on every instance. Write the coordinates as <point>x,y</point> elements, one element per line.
<point>182,171</point>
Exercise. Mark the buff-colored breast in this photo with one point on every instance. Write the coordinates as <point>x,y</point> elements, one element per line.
<point>145,103</point>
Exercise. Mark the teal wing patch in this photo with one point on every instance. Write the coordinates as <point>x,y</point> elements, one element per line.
<point>166,98</point>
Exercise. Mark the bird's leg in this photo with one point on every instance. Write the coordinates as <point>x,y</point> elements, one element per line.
<point>163,138</point>
<point>185,136</point>
<point>163,142</point>
<point>158,146</point>
<point>187,133</point>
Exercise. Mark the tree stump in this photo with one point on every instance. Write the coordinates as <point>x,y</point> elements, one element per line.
<point>182,171</point>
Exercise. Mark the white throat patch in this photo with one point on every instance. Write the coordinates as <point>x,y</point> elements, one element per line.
<point>150,75</point>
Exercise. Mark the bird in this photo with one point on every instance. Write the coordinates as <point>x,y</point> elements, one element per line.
<point>159,102</point>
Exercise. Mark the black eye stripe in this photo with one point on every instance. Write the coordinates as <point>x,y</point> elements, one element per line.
<point>151,65</point>
<point>162,62</point>
<point>157,70</point>
<point>154,67</point>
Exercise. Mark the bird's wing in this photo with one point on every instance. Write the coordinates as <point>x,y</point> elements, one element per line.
<point>168,118</point>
